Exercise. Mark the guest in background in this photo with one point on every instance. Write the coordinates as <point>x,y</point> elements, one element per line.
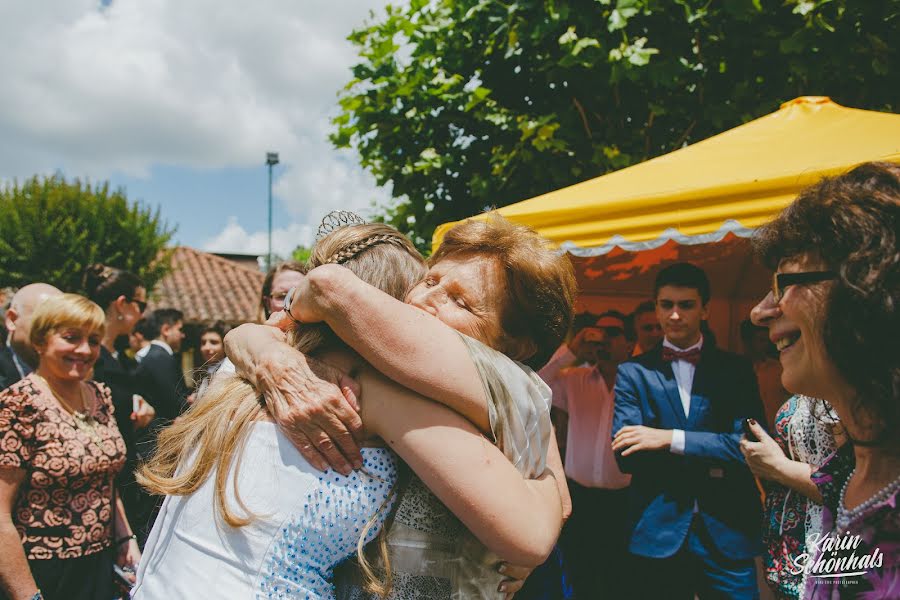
<point>139,340</point>
<point>833,314</point>
<point>123,297</point>
<point>594,539</point>
<point>646,327</point>
<point>280,278</point>
<point>212,349</point>
<point>679,409</point>
<point>580,356</point>
<point>159,373</point>
<point>61,524</point>
<point>17,356</point>
<point>160,380</point>
<point>761,352</point>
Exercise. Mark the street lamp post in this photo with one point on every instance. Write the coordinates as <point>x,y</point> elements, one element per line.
<point>271,160</point>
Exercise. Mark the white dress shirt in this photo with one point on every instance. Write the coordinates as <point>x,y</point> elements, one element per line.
<point>684,377</point>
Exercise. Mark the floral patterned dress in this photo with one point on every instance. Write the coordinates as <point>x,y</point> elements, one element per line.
<point>803,430</point>
<point>872,556</point>
<point>64,508</point>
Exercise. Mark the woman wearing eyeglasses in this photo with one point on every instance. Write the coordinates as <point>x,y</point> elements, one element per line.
<point>833,314</point>
<point>278,281</point>
<point>123,298</point>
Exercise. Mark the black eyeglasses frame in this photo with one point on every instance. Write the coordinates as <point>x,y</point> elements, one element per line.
<point>782,281</point>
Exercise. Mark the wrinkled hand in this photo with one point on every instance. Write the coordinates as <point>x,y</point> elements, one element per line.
<point>515,579</point>
<point>635,438</point>
<point>765,458</point>
<point>316,407</point>
<point>144,413</point>
<point>128,556</point>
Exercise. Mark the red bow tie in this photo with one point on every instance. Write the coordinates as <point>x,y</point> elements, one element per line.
<point>692,356</point>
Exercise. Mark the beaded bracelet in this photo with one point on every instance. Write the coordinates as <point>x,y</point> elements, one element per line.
<point>121,541</point>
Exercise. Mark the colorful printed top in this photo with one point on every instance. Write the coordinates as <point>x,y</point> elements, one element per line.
<point>803,430</point>
<point>64,506</point>
<point>861,560</point>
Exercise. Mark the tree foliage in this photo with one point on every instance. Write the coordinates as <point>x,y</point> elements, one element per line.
<point>301,254</point>
<point>466,104</point>
<point>51,229</point>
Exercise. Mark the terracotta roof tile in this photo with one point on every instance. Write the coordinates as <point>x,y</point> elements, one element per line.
<point>206,287</point>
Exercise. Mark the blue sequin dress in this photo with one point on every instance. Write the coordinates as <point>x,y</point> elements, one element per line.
<point>306,523</point>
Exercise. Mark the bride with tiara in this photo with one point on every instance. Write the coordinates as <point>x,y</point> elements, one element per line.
<point>495,302</point>
<point>245,515</point>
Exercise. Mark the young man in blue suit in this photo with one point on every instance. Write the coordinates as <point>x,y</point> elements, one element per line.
<point>695,508</point>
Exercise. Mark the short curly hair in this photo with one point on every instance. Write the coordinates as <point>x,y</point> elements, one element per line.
<point>852,222</point>
<point>540,282</point>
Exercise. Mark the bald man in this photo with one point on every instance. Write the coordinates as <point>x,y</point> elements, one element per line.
<point>17,357</point>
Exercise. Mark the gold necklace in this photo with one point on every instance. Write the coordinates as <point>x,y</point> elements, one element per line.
<point>83,421</point>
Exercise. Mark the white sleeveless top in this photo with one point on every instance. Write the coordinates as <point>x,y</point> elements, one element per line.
<point>306,523</point>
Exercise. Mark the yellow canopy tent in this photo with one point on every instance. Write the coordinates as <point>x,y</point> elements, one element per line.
<point>702,202</point>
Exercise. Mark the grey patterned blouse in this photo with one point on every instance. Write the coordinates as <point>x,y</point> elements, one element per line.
<point>432,555</point>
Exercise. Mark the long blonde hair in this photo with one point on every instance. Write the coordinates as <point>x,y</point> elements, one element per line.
<point>216,427</point>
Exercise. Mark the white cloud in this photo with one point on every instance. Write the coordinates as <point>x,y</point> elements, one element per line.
<point>191,83</point>
<point>235,238</point>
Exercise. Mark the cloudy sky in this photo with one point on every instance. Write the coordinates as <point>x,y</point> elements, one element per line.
<point>179,101</point>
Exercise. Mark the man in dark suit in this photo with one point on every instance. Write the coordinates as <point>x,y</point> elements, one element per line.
<point>159,374</point>
<point>17,356</point>
<point>679,408</point>
<point>160,381</point>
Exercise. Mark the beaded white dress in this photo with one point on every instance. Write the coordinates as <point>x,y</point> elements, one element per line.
<point>306,523</point>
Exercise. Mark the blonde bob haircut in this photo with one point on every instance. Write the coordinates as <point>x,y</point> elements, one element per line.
<point>216,426</point>
<point>540,288</point>
<point>63,311</point>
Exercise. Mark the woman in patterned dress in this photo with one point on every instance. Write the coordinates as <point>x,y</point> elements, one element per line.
<point>806,433</point>
<point>834,314</point>
<point>61,524</point>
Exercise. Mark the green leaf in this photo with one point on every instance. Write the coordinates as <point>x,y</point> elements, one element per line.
<point>584,43</point>
<point>569,36</point>
<point>479,94</point>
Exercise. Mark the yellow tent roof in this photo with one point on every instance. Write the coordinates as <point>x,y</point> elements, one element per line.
<point>732,182</point>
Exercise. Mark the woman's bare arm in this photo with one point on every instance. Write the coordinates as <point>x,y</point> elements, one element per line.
<point>517,518</point>
<point>555,464</point>
<point>409,346</point>
<point>766,460</point>
<point>15,576</point>
<point>315,406</point>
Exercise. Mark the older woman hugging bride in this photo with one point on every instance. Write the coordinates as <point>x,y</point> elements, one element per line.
<point>503,289</point>
<point>246,514</point>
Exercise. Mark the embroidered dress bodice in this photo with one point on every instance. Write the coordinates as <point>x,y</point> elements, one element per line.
<point>433,556</point>
<point>306,522</point>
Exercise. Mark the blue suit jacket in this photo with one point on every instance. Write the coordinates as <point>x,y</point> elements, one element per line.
<point>712,471</point>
